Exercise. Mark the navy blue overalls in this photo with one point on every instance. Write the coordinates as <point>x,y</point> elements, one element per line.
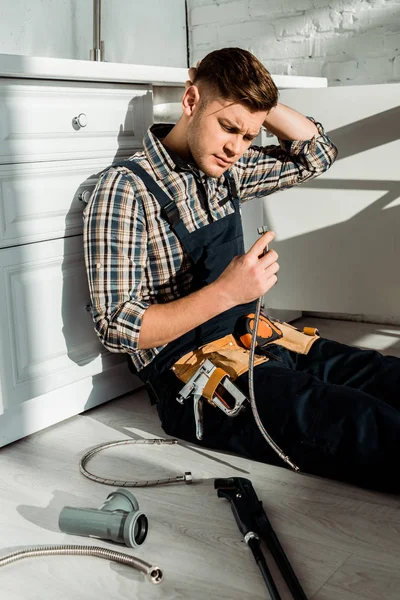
<point>335,411</point>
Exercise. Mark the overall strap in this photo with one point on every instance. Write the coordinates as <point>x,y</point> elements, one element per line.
<point>232,190</point>
<point>169,210</point>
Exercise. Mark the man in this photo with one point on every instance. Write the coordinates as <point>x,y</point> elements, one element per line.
<point>169,280</point>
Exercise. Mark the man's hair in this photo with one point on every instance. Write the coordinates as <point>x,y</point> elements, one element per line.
<point>236,74</point>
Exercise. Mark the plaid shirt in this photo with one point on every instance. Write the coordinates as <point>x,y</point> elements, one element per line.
<point>134,260</point>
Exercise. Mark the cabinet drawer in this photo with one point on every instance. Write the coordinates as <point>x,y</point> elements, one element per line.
<point>40,201</point>
<point>47,339</point>
<point>37,119</point>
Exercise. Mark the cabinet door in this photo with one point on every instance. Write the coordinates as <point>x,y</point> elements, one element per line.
<point>48,346</point>
<point>40,201</point>
<point>338,236</point>
<point>47,121</point>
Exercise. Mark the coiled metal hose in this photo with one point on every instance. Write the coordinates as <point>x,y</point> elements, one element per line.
<point>186,477</point>
<point>154,574</point>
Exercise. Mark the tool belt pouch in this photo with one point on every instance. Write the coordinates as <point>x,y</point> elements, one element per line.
<point>267,330</point>
<point>296,340</point>
<point>273,331</point>
<point>226,354</point>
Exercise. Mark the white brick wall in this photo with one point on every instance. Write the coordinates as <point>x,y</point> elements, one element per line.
<point>348,41</point>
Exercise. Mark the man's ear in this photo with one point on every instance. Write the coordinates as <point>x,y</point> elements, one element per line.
<point>190,100</point>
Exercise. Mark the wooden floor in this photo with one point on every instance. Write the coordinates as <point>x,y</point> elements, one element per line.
<point>343,542</point>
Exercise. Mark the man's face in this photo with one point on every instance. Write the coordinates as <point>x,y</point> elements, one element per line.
<point>219,133</point>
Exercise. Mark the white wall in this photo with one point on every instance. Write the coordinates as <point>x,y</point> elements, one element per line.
<point>151,32</point>
<point>350,42</point>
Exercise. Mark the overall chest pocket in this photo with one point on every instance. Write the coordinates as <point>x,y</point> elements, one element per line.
<point>217,258</point>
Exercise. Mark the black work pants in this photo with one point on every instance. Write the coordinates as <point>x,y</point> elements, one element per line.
<point>335,412</point>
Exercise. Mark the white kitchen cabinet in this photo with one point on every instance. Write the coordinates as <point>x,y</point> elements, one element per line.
<point>34,206</point>
<point>52,121</point>
<point>47,340</point>
<point>55,137</point>
<point>61,123</point>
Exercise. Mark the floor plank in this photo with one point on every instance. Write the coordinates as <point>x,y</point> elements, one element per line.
<point>358,579</point>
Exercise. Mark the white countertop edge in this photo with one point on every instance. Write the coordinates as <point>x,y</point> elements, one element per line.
<point>15,65</point>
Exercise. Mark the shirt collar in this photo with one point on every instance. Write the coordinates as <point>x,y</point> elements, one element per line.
<point>163,160</point>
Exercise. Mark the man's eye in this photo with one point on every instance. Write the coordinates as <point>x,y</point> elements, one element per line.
<point>228,129</point>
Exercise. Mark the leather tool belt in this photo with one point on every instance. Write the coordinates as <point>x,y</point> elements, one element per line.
<point>209,371</point>
<point>232,359</point>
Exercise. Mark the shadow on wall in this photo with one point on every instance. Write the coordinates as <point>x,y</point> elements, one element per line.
<point>351,263</point>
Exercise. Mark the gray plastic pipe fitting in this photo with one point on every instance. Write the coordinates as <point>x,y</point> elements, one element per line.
<point>118,519</point>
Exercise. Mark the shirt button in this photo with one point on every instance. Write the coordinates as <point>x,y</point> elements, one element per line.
<point>98,265</point>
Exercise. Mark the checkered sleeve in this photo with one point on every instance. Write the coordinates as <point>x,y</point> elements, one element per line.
<point>263,170</point>
<point>115,242</point>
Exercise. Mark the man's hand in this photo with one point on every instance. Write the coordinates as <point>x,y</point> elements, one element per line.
<point>246,278</point>
<point>251,275</point>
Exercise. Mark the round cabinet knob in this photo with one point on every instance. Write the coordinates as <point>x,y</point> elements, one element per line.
<point>84,196</point>
<point>81,120</point>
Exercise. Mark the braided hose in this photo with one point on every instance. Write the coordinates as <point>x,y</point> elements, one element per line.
<point>187,477</point>
<point>260,426</point>
<point>154,574</point>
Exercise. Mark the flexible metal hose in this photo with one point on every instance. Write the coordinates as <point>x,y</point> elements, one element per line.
<point>186,477</point>
<point>154,574</point>
<point>261,427</point>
